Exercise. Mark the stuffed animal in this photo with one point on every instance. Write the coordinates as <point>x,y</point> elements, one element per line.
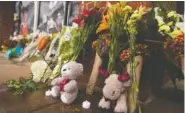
<point>65,86</point>
<point>114,92</point>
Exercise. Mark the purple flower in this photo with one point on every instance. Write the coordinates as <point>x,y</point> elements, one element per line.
<point>123,77</point>
<point>103,72</point>
<point>103,43</point>
<point>103,49</point>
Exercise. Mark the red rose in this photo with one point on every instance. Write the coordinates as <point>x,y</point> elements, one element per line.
<point>86,12</point>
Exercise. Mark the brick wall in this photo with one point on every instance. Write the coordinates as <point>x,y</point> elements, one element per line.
<point>101,4</point>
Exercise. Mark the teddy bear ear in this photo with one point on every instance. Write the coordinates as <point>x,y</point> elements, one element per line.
<point>127,83</point>
<point>110,78</point>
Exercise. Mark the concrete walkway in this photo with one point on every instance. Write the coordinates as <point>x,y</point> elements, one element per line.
<point>8,70</point>
<point>36,102</point>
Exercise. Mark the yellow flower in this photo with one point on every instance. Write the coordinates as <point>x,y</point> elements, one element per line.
<point>170,23</point>
<point>123,3</point>
<point>109,4</point>
<point>107,41</point>
<point>143,10</point>
<point>176,33</point>
<point>120,10</point>
<point>54,35</point>
<point>117,5</point>
<point>171,14</point>
<point>130,22</point>
<point>101,28</point>
<point>136,12</point>
<point>135,16</point>
<point>103,37</point>
<point>127,9</point>
<point>109,15</point>
<point>164,28</point>
<point>4,48</point>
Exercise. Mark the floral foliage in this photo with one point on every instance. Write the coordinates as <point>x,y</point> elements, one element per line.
<point>174,41</point>
<point>120,23</point>
<point>141,49</point>
<point>88,17</point>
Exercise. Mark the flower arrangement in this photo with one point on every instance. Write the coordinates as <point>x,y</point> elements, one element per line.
<point>175,43</point>
<point>102,44</point>
<point>114,21</point>
<point>118,22</point>
<point>141,49</point>
<point>73,40</point>
<point>124,76</point>
<point>104,24</point>
<point>132,31</point>
<point>81,17</point>
<point>174,36</point>
<point>121,23</point>
<point>88,17</point>
<point>88,21</point>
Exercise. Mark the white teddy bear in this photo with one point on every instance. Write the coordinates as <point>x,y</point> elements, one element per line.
<point>66,85</point>
<point>115,90</point>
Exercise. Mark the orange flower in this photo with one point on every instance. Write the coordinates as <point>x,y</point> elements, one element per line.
<point>124,55</point>
<point>179,38</point>
<point>43,43</point>
<point>103,25</point>
<point>94,44</point>
<point>120,10</point>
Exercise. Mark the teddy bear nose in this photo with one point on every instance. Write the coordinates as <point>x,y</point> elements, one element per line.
<point>64,69</point>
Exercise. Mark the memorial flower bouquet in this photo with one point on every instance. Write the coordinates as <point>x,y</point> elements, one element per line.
<point>113,22</point>
<point>174,35</point>
<point>121,23</point>
<point>73,39</point>
<point>115,31</point>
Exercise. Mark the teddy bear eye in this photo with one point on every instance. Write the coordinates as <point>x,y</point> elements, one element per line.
<point>68,68</point>
<point>113,92</point>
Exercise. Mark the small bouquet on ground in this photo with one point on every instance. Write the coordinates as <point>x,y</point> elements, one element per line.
<point>21,86</point>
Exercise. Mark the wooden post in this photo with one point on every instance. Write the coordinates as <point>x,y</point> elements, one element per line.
<point>94,75</point>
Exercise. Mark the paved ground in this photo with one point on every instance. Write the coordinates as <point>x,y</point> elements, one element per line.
<point>8,70</point>
<point>36,102</point>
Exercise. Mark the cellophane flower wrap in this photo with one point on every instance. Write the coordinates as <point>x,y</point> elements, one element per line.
<point>73,39</point>
<point>52,54</point>
<point>69,35</point>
